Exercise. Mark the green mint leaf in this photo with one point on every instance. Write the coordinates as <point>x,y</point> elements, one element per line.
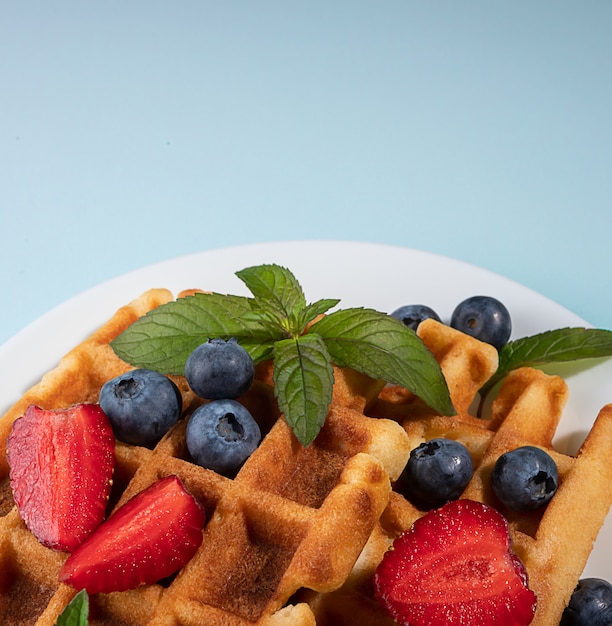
<point>380,346</point>
<point>553,346</point>
<point>164,338</point>
<point>303,384</point>
<point>275,324</point>
<point>76,612</point>
<point>258,350</point>
<point>315,309</point>
<point>276,290</point>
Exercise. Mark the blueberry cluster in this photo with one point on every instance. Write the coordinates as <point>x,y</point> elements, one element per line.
<point>142,405</point>
<point>221,434</point>
<point>438,470</point>
<point>482,317</point>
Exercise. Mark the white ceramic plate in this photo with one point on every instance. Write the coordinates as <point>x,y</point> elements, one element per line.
<point>378,276</point>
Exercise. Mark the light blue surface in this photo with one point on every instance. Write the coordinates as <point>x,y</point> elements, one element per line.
<point>133,132</point>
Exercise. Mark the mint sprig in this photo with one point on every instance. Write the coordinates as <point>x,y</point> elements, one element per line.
<point>278,323</point>
<point>550,347</point>
<point>76,612</point>
<point>279,298</point>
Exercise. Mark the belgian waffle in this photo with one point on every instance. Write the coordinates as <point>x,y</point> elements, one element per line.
<point>291,518</point>
<point>554,543</point>
<point>295,536</point>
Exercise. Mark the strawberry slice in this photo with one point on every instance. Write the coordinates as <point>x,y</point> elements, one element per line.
<point>455,566</point>
<point>150,537</point>
<point>60,467</point>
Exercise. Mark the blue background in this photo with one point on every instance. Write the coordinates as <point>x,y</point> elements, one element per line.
<point>134,132</point>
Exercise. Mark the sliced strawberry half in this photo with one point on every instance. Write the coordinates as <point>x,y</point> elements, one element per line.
<point>61,466</point>
<point>455,566</point>
<point>150,537</point>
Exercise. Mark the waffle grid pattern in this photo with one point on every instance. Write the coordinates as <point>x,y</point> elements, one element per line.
<point>291,517</point>
<point>295,536</point>
<point>553,543</point>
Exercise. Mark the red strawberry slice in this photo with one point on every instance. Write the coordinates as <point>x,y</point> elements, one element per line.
<point>455,566</point>
<point>150,537</point>
<point>61,466</point>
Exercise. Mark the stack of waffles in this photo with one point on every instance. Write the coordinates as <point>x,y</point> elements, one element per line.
<point>295,536</point>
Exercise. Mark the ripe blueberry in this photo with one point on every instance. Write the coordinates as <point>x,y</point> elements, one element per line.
<point>221,435</point>
<point>413,314</point>
<point>141,405</point>
<point>219,369</point>
<point>590,604</point>
<point>437,472</point>
<point>525,479</point>
<point>484,318</point>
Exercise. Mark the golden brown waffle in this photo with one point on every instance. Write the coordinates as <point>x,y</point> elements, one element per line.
<point>291,518</point>
<point>555,543</point>
<point>297,534</point>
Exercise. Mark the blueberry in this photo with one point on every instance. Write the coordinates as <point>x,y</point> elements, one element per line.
<point>141,405</point>
<point>437,472</point>
<point>221,435</point>
<point>413,314</point>
<point>525,479</point>
<point>484,318</point>
<point>219,369</point>
<point>590,604</point>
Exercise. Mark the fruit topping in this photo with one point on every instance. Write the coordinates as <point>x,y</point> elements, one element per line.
<point>413,314</point>
<point>61,467</point>
<point>590,604</point>
<point>484,318</point>
<point>142,406</point>
<point>221,435</point>
<point>525,479</point>
<point>219,369</point>
<point>150,537</point>
<point>437,471</point>
<point>455,566</point>
<point>303,339</point>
